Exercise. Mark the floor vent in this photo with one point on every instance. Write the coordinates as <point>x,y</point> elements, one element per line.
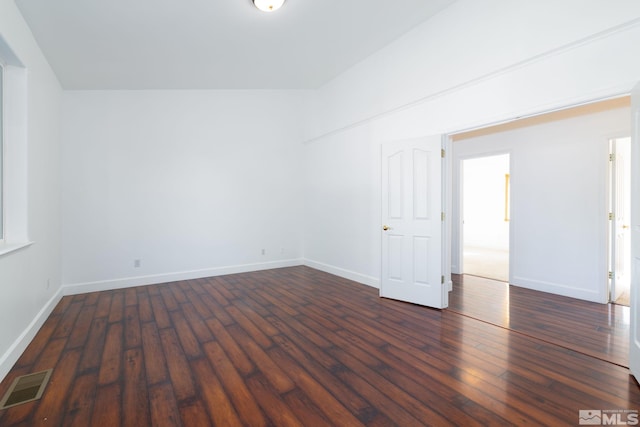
<point>25,389</point>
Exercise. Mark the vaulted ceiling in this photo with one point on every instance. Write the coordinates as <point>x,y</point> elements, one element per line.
<point>214,44</point>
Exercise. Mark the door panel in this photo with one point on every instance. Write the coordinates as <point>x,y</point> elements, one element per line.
<point>412,231</point>
<point>634,344</point>
<point>622,233</point>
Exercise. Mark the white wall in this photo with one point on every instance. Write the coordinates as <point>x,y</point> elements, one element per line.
<point>341,221</point>
<point>559,199</point>
<point>30,277</point>
<point>473,64</point>
<point>191,183</point>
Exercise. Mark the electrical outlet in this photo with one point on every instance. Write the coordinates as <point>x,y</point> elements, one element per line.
<point>136,263</point>
<point>281,250</point>
<point>264,252</point>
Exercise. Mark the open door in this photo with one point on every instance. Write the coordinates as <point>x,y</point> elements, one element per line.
<point>634,341</point>
<point>412,218</point>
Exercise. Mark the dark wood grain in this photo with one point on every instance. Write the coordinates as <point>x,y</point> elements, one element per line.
<point>299,347</point>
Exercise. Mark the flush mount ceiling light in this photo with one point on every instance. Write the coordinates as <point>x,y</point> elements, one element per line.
<point>268,5</point>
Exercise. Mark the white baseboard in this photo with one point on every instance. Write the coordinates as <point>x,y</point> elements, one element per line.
<point>341,272</point>
<point>11,356</point>
<point>153,279</point>
<point>558,289</point>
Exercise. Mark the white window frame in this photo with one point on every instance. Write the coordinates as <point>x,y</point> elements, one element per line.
<point>14,152</point>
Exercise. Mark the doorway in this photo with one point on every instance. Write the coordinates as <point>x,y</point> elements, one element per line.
<point>619,220</point>
<point>485,216</point>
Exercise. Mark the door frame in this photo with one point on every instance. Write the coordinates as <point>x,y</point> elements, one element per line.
<point>457,236</point>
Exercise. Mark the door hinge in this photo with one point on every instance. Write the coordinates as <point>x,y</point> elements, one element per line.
<point>442,153</point>
<point>611,275</point>
<point>442,216</point>
<point>612,157</point>
<point>611,216</point>
<point>442,280</point>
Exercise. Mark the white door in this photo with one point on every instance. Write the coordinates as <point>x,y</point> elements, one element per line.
<point>412,222</point>
<point>634,342</point>
<point>621,196</point>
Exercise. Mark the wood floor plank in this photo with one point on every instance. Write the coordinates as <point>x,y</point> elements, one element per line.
<point>215,399</point>
<point>80,332</point>
<point>130,297</point>
<point>271,402</point>
<point>107,409</point>
<point>169,300</point>
<point>111,363</point>
<point>316,392</point>
<point>179,370</point>
<point>135,399</point>
<point>50,356</point>
<point>249,327</point>
<point>178,294</point>
<point>103,306</point>
<point>132,329</point>
<point>244,403</point>
<point>81,401</point>
<point>240,360</point>
<point>188,340</point>
<point>154,360</point>
<point>116,311</point>
<point>193,413</point>
<point>278,378</point>
<point>67,320</point>
<point>160,312</point>
<point>163,406</point>
<point>198,326</point>
<point>144,305</point>
<point>92,351</point>
<point>322,370</point>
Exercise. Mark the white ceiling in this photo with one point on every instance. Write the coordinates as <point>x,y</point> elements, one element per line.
<point>214,44</point>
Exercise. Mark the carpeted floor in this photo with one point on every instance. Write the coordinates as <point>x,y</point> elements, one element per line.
<point>488,263</point>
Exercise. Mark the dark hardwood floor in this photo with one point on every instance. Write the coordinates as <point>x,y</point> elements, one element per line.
<point>296,346</point>
<point>598,330</point>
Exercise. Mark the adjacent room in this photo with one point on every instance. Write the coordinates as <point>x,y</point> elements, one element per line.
<point>255,212</point>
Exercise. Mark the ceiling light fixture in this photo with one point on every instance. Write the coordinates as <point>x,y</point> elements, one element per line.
<point>268,5</point>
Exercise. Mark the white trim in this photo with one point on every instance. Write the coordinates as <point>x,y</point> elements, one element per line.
<point>558,289</point>
<point>15,350</point>
<point>6,248</point>
<point>374,282</point>
<point>154,279</point>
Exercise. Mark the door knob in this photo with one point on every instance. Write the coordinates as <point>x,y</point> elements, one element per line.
<point>386,227</point>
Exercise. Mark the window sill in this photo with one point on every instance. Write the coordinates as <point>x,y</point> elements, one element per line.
<point>7,248</point>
